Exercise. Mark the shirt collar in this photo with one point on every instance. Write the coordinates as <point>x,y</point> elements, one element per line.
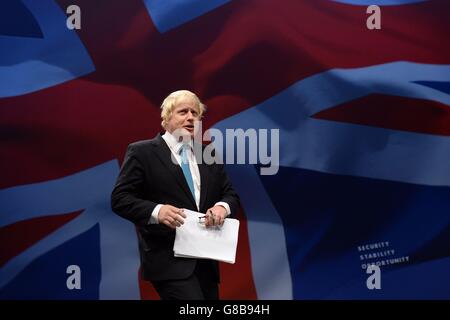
<point>173,143</point>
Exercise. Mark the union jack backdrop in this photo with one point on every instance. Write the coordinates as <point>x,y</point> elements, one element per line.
<point>364,120</point>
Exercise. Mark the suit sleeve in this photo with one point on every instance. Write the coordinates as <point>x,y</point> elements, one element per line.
<point>229,195</point>
<point>126,197</point>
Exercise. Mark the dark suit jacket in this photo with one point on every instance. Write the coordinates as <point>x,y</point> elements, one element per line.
<point>149,177</point>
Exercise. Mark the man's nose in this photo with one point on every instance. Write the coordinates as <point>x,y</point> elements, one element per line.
<point>190,115</point>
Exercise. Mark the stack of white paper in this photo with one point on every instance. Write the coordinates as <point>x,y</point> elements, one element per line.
<point>194,240</point>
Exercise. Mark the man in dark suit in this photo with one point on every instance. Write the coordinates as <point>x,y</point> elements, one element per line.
<point>158,179</point>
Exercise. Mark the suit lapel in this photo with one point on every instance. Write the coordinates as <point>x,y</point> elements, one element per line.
<point>165,155</point>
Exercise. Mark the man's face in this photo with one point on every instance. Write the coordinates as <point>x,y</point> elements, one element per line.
<point>182,118</point>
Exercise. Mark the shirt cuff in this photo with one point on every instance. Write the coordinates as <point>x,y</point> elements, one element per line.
<point>154,216</point>
<point>225,205</point>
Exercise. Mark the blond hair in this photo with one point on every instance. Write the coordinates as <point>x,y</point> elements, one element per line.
<point>176,97</point>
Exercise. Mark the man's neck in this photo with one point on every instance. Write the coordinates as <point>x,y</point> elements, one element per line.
<point>177,139</point>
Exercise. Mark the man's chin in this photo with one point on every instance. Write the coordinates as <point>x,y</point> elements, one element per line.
<point>188,132</point>
<point>183,133</point>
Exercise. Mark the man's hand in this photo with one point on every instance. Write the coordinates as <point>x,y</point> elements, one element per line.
<point>215,216</point>
<point>171,216</point>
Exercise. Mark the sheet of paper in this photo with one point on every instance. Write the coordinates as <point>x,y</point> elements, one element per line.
<point>194,240</point>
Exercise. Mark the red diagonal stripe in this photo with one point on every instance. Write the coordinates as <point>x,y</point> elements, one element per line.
<point>19,236</point>
<point>57,132</point>
<point>393,112</point>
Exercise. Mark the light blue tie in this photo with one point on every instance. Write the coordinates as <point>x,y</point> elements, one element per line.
<point>185,168</point>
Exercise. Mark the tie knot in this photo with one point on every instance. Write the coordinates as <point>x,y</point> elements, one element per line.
<point>184,154</point>
<point>184,148</point>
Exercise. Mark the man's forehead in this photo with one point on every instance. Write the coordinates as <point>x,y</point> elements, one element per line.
<point>187,103</point>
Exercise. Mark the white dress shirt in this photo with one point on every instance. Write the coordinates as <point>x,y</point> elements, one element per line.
<point>174,147</point>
